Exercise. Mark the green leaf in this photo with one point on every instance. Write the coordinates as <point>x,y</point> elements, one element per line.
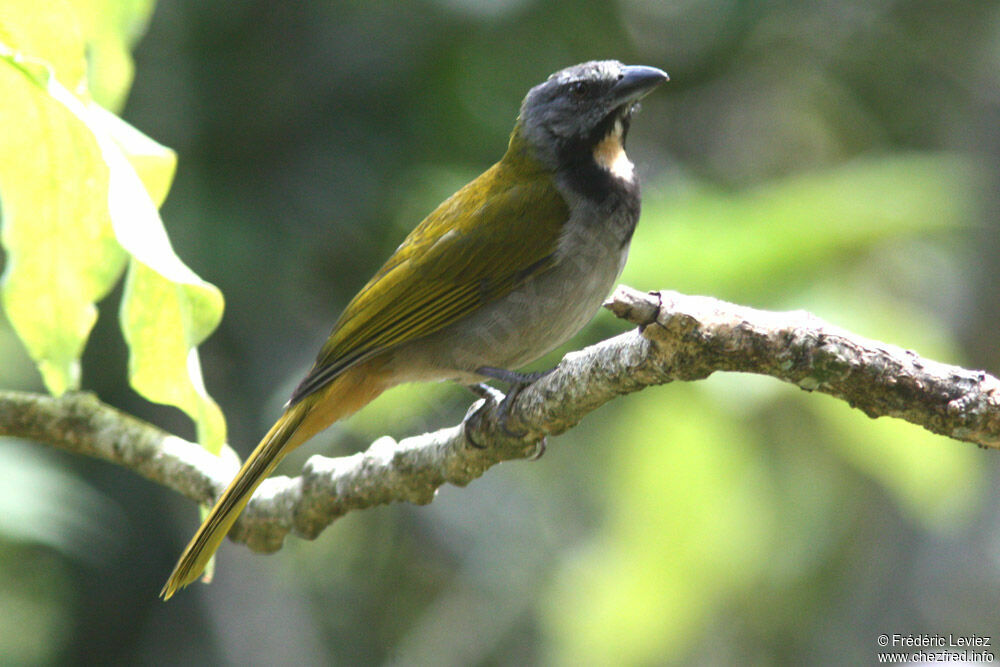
<point>163,320</point>
<point>79,190</point>
<point>111,29</point>
<point>62,255</point>
<point>154,163</point>
<point>49,32</point>
<point>87,43</point>
<point>166,310</point>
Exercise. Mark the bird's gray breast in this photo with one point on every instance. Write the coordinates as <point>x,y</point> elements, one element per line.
<point>547,309</point>
<point>544,311</point>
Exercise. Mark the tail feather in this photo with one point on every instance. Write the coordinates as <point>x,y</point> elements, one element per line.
<point>272,448</point>
<point>345,395</point>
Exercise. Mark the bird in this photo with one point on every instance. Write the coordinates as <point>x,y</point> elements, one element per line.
<point>505,270</point>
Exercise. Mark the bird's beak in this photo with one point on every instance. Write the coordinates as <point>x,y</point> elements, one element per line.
<point>637,81</point>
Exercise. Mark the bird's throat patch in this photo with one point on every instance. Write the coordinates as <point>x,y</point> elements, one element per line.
<point>609,154</point>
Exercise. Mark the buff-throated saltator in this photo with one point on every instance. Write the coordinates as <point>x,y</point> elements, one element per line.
<point>505,270</point>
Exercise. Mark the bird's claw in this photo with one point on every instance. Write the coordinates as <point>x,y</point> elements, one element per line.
<point>539,449</point>
<point>474,417</point>
<point>503,404</point>
<point>503,410</point>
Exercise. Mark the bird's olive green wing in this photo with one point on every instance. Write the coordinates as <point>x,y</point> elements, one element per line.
<point>477,246</point>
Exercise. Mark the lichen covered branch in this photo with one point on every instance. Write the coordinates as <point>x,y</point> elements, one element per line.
<point>678,338</point>
<point>695,336</point>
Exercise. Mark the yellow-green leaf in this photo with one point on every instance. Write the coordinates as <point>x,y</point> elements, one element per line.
<point>61,252</point>
<point>167,310</point>
<point>79,190</point>
<point>163,321</point>
<point>47,31</point>
<point>153,162</point>
<point>111,28</point>
<point>85,42</point>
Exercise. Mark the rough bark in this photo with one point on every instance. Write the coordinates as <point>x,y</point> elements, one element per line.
<point>679,338</point>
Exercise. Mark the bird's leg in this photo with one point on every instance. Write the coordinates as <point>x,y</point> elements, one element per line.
<point>513,378</point>
<point>518,383</point>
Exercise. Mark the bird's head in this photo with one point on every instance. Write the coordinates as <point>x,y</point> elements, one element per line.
<point>582,113</point>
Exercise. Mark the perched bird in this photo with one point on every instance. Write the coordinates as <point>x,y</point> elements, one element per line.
<point>503,271</point>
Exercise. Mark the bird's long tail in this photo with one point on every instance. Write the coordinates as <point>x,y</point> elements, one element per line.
<point>301,421</point>
<point>260,464</point>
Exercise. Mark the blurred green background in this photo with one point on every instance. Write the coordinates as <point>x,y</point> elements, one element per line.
<point>839,156</point>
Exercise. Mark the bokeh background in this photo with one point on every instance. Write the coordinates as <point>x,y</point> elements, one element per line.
<point>838,156</point>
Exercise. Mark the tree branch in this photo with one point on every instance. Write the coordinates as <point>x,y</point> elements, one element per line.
<point>679,338</point>
<point>696,336</point>
<point>80,423</point>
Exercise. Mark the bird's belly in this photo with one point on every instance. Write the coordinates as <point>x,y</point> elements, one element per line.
<point>522,326</point>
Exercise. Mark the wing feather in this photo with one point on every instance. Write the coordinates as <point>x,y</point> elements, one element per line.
<point>447,268</point>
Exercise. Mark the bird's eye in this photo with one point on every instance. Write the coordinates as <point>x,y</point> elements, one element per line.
<point>578,89</point>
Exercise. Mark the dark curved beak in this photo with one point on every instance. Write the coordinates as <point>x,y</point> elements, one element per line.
<point>637,81</point>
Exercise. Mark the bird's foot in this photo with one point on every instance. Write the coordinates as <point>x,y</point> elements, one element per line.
<point>519,382</point>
